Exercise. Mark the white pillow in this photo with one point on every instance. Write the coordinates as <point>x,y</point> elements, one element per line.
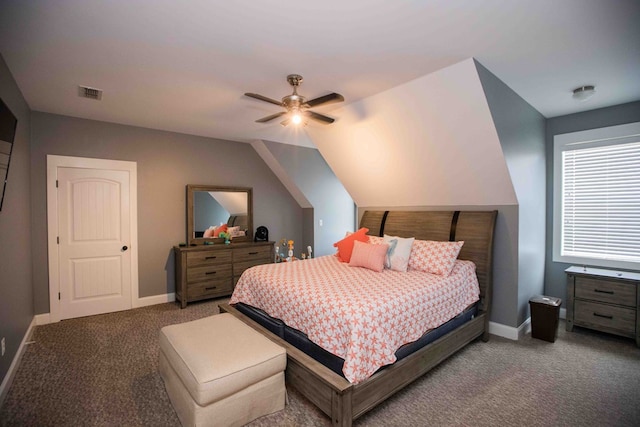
<point>234,231</point>
<point>399,252</point>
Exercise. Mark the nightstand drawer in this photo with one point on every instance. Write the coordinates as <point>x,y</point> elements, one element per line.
<point>199,258</point>
<point>605,317</point>
<point>209,272</point>
<point>609,291</point>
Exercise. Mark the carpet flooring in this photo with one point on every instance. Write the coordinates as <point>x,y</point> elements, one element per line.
<point>103,371</point>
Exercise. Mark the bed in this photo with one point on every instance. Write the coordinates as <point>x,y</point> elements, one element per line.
<point>345,400</point>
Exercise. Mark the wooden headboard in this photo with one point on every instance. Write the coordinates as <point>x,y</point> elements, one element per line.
<point>475,228</point>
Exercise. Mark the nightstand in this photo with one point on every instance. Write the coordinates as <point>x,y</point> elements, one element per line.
<point>604,300</point>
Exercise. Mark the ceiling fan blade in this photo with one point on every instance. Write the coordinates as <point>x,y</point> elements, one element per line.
<point>326,99</point>
<point>271,117</point>
<point>263,98</point>
<point>319,117</point>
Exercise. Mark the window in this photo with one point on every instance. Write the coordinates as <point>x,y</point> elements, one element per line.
<point>597,197</point>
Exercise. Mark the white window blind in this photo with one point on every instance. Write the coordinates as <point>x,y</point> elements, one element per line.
<point>601,202</point>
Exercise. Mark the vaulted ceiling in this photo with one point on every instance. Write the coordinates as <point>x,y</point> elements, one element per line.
<point>184,66</point>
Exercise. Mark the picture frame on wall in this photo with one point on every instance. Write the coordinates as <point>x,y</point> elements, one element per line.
<point>8,124</point>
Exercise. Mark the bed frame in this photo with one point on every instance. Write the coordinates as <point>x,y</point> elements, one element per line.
<point>343,401</point>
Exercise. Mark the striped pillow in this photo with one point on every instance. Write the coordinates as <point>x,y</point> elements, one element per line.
<point>368,256</point>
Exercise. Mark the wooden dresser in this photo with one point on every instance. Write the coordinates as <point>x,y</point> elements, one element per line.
<point>212,271</point>
<point>604,300</point>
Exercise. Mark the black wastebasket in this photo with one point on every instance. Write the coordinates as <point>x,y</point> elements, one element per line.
<point>545,312</point>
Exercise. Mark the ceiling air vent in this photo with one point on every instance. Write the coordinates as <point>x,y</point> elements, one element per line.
<point>90,92</point>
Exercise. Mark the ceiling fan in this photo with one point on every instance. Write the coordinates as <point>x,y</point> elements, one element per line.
<point>297,106</point>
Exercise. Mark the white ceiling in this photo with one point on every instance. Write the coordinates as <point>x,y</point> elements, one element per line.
<point>183,66</point>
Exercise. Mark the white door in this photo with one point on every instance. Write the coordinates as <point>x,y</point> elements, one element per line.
<point>94,231</point>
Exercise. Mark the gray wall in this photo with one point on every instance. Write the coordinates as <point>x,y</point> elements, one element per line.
<point>331,202</point>
<point>166,163</point>
<point>555,280</point>
<point>521,130</point>
<point>16,292</point>
<point>307,232</point>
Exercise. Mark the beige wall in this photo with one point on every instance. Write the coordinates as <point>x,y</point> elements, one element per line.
<point>427,142</point>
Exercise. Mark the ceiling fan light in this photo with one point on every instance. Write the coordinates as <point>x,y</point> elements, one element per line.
<point>583,93</point>
<point>296,106</point>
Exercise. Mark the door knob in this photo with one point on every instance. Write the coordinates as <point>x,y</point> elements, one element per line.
<point>124,248</point>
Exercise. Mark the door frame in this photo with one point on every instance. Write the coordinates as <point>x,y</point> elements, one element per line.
<point>53,163</point>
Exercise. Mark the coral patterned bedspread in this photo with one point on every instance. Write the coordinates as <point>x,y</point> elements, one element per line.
<point>357,314</point>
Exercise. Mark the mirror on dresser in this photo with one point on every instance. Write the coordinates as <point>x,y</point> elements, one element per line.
<point>212,270</point>
<point>209,207</point>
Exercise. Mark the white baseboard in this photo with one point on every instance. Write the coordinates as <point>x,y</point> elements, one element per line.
<point>504,331</point>
<point>155,299</point>
<point>43,319</point>
<point>515,334</point>
<point>11,373</point>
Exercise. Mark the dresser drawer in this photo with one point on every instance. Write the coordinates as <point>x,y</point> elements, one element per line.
<point>200,258</point>
<point>605,317</point>
<point>252,253</point>
<point>209,289</point>
<point>209,272</point>
<point>240,267</point>
<point>609,291</point>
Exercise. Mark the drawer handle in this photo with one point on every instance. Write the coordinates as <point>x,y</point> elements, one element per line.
<point>602,315</point>
<point>211,257</point>
<point>253,253</point>
<point>210,288</point>
<point>603,292</point>
<point>210,272</point>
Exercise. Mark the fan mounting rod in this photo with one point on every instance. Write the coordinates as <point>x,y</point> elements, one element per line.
<point>294,80</point>
<point>294,102</point>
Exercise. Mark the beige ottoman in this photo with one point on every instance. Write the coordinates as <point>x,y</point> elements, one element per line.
<point>218,371</point>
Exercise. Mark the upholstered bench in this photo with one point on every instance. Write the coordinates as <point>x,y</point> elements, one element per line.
<point>220,371</point>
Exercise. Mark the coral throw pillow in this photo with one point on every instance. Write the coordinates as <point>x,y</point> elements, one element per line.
<point>368,256</point>
<point>434,257</point>
<point>220,229</point>
<point>345,246</point>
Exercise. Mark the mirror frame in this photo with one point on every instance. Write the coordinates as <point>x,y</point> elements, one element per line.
<point>191,188</point>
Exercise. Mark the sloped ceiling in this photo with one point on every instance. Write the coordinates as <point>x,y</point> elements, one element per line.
<point>428,142</point>
<point>233,202</point>
<point>183,66</point>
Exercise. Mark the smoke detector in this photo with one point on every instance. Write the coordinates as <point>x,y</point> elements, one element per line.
<point>583,93</point>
